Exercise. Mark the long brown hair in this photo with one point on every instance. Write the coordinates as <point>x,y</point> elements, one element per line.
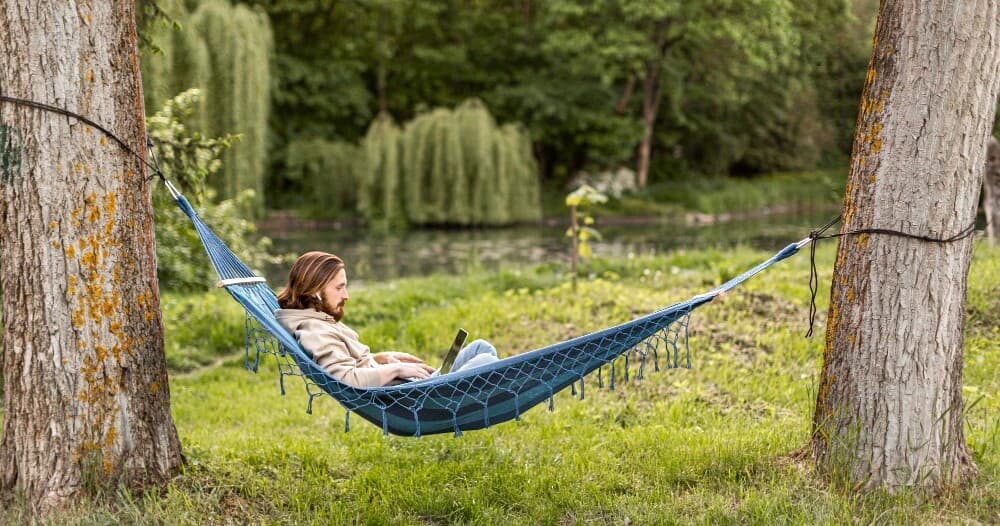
<point>309,274</point>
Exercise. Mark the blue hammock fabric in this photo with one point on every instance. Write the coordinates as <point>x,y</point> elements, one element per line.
<point>468,399</point>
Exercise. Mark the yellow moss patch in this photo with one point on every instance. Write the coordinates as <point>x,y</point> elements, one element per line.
<point>863,240</point>
<point>98,311</point>
<point>77,318</point>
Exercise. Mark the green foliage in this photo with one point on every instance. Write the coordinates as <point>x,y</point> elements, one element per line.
<point>580,230</point>
<point>183,154</point>
<point>379,181</point>
<point>721,196</point>
<point>239,45</point>
<point>746,87</point>
<point>424,192</point>
<point>481,162</point>
<point>734,195</point>
<point>709,63</point>
<point>459,167</point>
<point>324,172</point>
<point>224,50</point>
<point>445,167</point>
<point>517,165</point>
<point>149,14</point>
<point>579,202</point>
<point>188,158</point>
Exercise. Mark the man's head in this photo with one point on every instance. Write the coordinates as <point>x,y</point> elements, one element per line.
<point>317,281</point>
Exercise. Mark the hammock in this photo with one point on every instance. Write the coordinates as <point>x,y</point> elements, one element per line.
<point>468,399</point>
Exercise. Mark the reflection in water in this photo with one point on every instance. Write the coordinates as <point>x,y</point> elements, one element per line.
<point>378,256</point>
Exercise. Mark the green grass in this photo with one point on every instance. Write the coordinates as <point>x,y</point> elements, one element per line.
<point>200,329</point>
<point>713,444</point>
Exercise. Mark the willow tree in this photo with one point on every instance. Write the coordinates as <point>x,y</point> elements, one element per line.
<point>440,169</point>
<point>449,181</point>
<point>478,140</point>
<point>523,175</point>
<point>460,167</point>
<point>158,56</point>
<point>378,173</point>
<point>239,43</point>
<point>177,61</point>
<point>890,411</point>
<point>86,402</point>
<point>417,141</point>
<point>225,51</point>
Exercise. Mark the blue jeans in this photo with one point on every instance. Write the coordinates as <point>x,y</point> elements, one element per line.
<point>476,354</point>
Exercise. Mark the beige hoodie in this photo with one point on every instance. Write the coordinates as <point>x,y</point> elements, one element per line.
<point>334,346</point>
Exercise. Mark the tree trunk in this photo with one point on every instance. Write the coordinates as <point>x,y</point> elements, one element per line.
<point>991,191</point>
<point>889,410</point>
<point>651,94</point>
<point>622,103</point>
<point>650,107</point>
<point>86,400</point>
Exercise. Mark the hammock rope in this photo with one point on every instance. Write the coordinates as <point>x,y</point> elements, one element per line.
<point>465,400</point>
<point>469,399</point>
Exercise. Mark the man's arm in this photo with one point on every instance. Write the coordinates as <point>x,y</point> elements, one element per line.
<point>403,371</point>
<point>395,357</point>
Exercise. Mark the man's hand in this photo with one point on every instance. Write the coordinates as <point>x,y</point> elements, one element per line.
<point>395,357</point>
<point>400,366</point>
<point>394,372</point>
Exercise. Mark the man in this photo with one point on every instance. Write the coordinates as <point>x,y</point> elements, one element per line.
<point>312,306</point>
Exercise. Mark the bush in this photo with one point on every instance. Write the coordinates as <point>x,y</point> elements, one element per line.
<point>187,159</point>
<point>325,173</point>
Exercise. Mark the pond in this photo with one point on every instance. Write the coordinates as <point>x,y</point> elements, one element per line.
<point>379,256</point>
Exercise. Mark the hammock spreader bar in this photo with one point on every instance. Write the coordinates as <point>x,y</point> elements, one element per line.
<point>469,399</point>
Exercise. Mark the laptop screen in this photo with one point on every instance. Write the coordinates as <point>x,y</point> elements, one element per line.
<point>456,346</point>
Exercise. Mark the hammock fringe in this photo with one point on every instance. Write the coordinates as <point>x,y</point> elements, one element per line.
<point>465,400</point>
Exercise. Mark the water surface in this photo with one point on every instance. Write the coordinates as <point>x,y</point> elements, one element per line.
<point>377,256</point>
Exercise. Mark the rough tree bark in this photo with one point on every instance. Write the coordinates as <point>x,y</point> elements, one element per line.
<point>86,400</point>
<point>889,411</point>
<point>991,191</point>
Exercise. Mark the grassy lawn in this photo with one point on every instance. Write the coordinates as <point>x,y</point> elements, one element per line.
<point>714,444</point>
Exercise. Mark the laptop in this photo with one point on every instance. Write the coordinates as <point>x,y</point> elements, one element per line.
<point>449,359</point>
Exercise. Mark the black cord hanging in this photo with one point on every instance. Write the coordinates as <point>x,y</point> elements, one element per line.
<point>816,235</point>
<point>62,111</point>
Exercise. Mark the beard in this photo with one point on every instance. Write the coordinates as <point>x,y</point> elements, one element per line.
<point>337,311</point>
